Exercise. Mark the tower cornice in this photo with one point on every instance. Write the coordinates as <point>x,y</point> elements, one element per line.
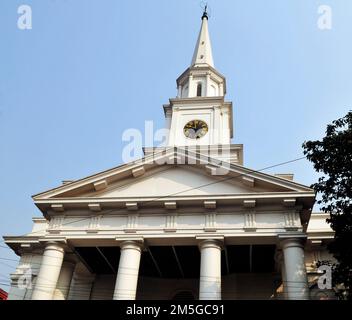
<point>198,100</point>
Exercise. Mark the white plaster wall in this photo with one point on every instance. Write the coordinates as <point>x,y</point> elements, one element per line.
<point>190,222</point>
<point>268,220</point>
<point>184,221</point>
<point>318,223</point>
<point>39,226</point>
<point>234,221</point>
<point>27,270</point>
<point>213,89</point>
<point>151,222</point>
<point>181,181</point>
<point>185,91</point>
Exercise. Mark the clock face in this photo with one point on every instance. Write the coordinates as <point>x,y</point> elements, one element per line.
<point>195,129</point>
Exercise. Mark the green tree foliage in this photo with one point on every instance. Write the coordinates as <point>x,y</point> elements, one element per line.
<point>332,156</point>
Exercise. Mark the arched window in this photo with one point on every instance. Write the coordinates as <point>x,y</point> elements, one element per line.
<point>199,90</point>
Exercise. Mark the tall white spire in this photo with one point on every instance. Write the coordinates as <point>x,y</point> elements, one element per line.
<point>201,79</point>
<point>202,53</point>
<point>200,107</point>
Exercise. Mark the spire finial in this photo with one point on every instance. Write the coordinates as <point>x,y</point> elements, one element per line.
<point>202,55</point>
<point>205,13</point>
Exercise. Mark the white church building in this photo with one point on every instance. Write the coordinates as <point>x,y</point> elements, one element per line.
<point>187,221</point>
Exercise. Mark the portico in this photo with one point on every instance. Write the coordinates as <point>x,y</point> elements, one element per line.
<point>206,267</point>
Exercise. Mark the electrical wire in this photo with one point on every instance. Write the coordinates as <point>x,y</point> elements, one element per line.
<point>173,194</point>
<point>158,198</point>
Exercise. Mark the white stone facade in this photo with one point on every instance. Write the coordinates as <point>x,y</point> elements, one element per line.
<point>181,222</point>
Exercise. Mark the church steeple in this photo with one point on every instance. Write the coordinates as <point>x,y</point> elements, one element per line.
<point>199,115</point>
<point>202,53</point>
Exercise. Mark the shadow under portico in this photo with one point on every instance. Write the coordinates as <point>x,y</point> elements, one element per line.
<point>172,272</point>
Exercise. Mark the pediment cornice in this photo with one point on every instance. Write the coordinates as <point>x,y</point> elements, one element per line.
<point>169,157</point>
<point>71,194</point>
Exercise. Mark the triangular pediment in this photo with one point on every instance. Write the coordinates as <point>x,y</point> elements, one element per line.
<point>177,180</point>
<point>149,178</point>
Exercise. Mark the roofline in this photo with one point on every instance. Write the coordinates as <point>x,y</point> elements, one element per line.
<point>137,161</point>
<point>190,154</point>
<point>229,196</point>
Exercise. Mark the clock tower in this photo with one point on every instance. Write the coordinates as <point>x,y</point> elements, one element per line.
<point>199,117</point>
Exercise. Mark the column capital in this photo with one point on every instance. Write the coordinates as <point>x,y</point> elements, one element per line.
<point>287,241</point>
<point>54,245</point>
<point>211,243</point>
<point>131,244</point>
<point>134,238</point>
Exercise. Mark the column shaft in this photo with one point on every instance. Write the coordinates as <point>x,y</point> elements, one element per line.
<point>207,86</point>
<point>210,270</point>
<point>49,272</point>
<point>127,275</point>
<point>190,87</point>
<point>179,91</point>
<point>284,279</point>
<point>296,286</point>
<point>221,89</point>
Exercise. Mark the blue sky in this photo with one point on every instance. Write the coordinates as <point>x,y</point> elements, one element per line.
<point>89,69</point>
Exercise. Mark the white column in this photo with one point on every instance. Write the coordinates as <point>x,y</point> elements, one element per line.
<point>221,89</point>
<point>64,281</point>
<point>284,279</point>
<point>217,128</point>
<point>207,86</point>
<point>168,117</point>
<point>127,274</point>
<point>210,270</point>
<point>179,91</point>
<point>296,287</point>
<point>190,87</point>
<point>49,272</point>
